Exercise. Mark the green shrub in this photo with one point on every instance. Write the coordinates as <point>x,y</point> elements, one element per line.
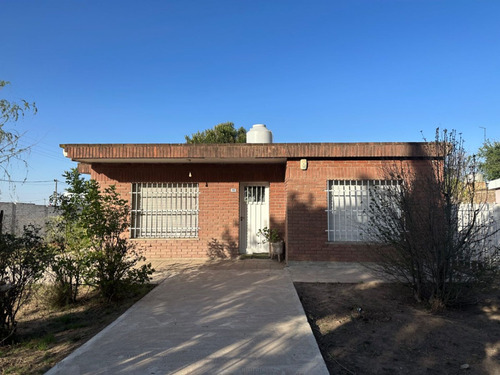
<point>90,244</point>
<point>23,260</point>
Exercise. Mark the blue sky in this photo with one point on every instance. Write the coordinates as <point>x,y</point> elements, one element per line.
<point>313,71</point>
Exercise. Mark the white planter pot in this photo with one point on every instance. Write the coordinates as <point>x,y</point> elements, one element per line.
<point>276,248</point>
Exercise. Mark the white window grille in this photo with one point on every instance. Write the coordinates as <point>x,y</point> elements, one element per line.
<point>164,210</point>
<point>348,202</point>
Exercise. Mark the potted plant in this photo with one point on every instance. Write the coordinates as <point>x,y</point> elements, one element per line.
<point>274,239</point>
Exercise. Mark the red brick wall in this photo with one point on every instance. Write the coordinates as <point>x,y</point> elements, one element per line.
<point>307,238</point>
<point>277,206</point>
<point>298,203</point>
<point>219,210</point>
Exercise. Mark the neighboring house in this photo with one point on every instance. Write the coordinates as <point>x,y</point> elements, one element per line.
<point>209,200</point>
<point>17,215</point>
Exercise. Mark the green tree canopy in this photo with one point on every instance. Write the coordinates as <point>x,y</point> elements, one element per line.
<point>490,164</point>
<point>221,133</point>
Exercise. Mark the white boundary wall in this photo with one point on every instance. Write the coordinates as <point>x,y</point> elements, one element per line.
<point>489,214</point>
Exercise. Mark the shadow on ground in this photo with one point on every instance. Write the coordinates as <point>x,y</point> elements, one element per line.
<point>207,319</point>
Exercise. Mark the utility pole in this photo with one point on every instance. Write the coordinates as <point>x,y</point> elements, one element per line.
<point>55,192</point>
<point>484,129</point>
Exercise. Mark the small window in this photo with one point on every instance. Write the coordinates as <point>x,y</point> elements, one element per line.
<point>255,194</point>
<point>348,202</point>
<point>164,210</point>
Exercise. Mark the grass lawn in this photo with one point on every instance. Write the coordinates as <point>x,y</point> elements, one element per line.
<point>380,329</point>
<point>46,335</point>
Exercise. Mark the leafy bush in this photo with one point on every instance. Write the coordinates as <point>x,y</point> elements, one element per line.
<point>91,242</point>
<point>68,238</point>
<point>114,259</point>
<point>270,235</point>
<point>23,260</point>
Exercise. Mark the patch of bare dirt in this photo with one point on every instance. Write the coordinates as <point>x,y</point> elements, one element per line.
<point>378,328</point>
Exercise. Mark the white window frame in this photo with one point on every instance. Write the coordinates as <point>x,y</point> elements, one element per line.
<point>164,210</point>
<point>348,203</point>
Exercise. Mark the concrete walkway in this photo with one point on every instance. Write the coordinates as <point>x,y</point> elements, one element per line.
<point>241,317</point>
<point>332,272</point>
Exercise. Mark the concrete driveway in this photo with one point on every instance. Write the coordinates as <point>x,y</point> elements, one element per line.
<point>207,320</point>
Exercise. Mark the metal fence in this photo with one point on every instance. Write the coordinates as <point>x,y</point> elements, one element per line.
<point>488,222</point>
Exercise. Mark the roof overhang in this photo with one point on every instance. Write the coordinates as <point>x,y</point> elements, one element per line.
<point>184,160</point>
<point>240,153</point>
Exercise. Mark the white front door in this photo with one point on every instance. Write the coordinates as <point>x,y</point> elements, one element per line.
<point>254,215</point>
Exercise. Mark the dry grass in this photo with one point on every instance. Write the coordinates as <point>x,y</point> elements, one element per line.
<point>46,335</point>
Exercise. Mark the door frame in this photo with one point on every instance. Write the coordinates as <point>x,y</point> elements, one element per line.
<point>243,230</point>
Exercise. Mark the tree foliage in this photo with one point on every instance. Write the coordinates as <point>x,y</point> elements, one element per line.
<point>71,263</point>
<point>11,111</point>
<point>114,258</point>
<point>91,243</point>
<point>490,164</point>
<point>430,231</point>
<point>23,260</point>
<point>68,237</point>
<point>221,133</point>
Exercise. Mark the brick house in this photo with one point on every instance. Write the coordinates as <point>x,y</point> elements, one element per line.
<point>209,200</point>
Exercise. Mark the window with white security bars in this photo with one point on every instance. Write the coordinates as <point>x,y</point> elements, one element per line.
<point>164,210</point>
<point>348,203</point>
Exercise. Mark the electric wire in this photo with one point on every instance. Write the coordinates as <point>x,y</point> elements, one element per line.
<point>27,181</point>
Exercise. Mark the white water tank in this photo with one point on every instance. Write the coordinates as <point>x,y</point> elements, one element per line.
<point>259,134</point>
